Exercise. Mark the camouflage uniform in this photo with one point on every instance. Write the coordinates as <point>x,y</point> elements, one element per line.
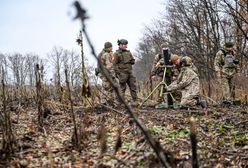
<point>227,73</point>
<point>123,62</point>
<point>107,95</point>
<point>177,62</point>
<point>189,85</point>
<point>178,67</point>
<point>158,72</point>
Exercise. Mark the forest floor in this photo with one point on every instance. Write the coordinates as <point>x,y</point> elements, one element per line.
<point>222,136</point>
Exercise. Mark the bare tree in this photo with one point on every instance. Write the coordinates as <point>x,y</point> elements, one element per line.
<point>56,59</point>
<point>31,61</point>
<point>8,139</point>
<point>4,65</point>
<point>17,63</point>
<point>238,11</point>
<point>199,28</point>
<point>72,62</point>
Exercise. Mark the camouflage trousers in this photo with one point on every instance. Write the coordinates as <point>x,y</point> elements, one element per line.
<point>108,94</point>
<point>227,85</point>
<point>127,78</point>
<point>160,98</point>
<point>188,101</point>
<point>156,93</point>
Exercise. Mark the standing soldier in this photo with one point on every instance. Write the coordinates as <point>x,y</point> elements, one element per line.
<point>226,66</point>
<point>106,58</point>
<point>123,62</point>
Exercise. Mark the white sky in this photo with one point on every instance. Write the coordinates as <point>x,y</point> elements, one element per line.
<point>38,25</point>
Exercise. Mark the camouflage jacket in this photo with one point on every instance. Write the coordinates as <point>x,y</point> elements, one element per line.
<point>155,69</point>
<point>177,69</point>
<point>219,65</point>
<point>188,82</point>
<point>106,59</point>
<point>159,70</point>
<point>123,61</point>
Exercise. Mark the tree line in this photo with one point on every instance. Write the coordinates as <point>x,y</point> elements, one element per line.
<point>197,28</point>
<point>20,68</point>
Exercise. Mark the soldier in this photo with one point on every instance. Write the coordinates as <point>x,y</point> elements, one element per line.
<point>123,62</point>
<point>226,67</point>
<point>177,61</point>
<point>187,82</point>
<point>106,58</point>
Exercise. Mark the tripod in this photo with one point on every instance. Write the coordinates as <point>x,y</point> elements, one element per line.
<point>162,84</point>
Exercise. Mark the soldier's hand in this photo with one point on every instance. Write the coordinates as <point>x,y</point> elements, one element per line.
<point>154,77</point>
<point>97,71</point>
<point>157,65</point>
<point>218,74</point>
<point>237,74</point>
<point>116,74</point>
<point>174,78</point>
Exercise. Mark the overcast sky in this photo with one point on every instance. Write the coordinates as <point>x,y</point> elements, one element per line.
<point>38,25</point>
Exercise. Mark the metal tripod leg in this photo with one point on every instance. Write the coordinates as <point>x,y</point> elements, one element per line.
<point>163,83</point>
<point>158,85</point>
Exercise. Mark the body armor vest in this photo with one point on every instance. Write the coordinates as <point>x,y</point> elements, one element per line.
<point>125,57</point>
<point>229,61</point>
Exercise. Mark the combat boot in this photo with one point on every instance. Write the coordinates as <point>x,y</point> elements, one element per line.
<point>237,102</point>
<point>202,103</point>
<point>135,103</point>
<point>227,102</point>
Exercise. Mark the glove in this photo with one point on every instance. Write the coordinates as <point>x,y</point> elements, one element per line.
<point>153,77</point>
<point>117,74</point>
<point>97,71</point>
<point>236,61</point>
<point>218,74</point>
<point>166,89</point>
<point>132,61</point>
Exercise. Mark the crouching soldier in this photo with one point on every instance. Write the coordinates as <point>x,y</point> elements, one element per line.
<point>187,82</point>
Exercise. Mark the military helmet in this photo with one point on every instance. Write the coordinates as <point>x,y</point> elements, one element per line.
<point>163,45</point>
<point>229,44</point>
<point>122,41</point>
<point>186,61</point>
<point>107,45</point>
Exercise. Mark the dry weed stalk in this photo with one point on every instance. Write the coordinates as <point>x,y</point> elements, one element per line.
<point>102,138</point>
<point>40,96</point>
<point>8,142</point>
<point>193,142</point>
<point>76,138</point>
<point>118,142</point>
